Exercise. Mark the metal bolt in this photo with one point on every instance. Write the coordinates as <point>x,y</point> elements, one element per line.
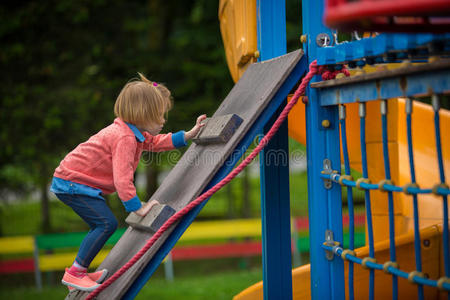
<point>435,102</point>
<point>383,107</point>
<point>323,40</point>
<point>426,243</point>
<point>341,112</point>
<point>408,106</point>
<point>325,123</point>
<point>362,109</point>
<point>303,38</point>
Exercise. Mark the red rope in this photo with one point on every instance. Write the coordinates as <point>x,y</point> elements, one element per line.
<point>328,74</point>
<point>264,141</point>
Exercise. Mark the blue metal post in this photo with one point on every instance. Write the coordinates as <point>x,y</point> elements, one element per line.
<point>271,26</point>
<point>324,205</point>
<point>276,235</point>
<point>274,168</point>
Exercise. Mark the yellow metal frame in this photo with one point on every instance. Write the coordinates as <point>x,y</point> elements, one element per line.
<point>238,29</point>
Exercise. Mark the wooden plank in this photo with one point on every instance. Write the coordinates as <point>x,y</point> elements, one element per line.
<point>248,98</point>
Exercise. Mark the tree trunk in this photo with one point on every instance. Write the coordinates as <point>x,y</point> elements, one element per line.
<point>230,199</point>
<point>246,207</point>
<point>152,172</point>
<point>45,208</point>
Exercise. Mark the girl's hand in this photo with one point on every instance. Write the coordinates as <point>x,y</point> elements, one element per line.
<point>145,208</point>
<point>193,132</point>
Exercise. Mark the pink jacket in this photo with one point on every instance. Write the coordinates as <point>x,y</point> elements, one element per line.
<point>108,160</point>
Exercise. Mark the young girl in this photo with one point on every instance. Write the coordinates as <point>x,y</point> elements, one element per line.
<point>106,163</point>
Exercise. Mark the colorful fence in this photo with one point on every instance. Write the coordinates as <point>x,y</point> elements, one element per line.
<point>203,240</point>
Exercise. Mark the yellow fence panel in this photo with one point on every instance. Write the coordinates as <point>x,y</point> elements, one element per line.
<point>14,245</point>
<point>58,261</point>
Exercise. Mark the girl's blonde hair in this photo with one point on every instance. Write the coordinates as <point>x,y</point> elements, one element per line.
<point>142,102</point>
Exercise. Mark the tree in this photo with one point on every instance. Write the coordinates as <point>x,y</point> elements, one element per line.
<point>64,62</point>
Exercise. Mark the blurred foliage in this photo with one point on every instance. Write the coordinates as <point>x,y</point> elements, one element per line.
<point>64,62</point>
<point>24,218</point>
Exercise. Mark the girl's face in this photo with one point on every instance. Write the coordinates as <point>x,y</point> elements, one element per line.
<point>154,127</point>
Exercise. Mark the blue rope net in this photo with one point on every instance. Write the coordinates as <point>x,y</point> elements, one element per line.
<point>351,209</point>
<point>437,130</point>
<point>362,120</point>
<point>411,189</point>
<point>387,174</point>
<point>417,251</point>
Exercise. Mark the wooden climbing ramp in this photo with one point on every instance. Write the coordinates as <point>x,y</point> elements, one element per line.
<point>255,99</point>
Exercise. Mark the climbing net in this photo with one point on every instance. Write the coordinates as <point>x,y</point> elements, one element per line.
<point>412,189</point>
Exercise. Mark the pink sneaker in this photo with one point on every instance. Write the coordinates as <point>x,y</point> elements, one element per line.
<point>98,277</point>
<point>84,284</point>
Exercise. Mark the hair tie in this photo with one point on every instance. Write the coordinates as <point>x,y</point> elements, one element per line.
<point>155,84</point>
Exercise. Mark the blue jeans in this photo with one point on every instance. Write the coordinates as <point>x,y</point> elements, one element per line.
<point>101,220</point>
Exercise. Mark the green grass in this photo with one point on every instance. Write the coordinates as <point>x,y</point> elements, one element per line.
<point>48,293</point>
<point>217,286</point>
<point>25,218</point>
<point>214,286</point>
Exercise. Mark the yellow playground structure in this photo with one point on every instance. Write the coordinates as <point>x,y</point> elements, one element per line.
<point>238,23</point>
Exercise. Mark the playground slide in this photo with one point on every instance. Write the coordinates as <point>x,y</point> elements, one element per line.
<point>255,98</point>
<point>431,233</point>
<point>431,237</point>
